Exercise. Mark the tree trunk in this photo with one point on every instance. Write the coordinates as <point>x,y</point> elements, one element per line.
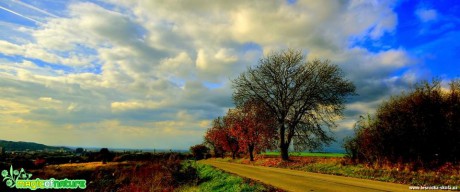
<point>284,152</point>
<point>251,152</point>
<point>283,146</point>
<point>233,155</point>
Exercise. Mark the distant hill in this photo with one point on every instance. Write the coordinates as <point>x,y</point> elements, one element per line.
<point>23,146</point>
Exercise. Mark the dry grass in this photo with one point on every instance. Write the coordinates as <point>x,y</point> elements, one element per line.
<point>85,166</point>
<point>164,175</point>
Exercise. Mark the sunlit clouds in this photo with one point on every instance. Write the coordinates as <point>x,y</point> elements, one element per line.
<point>153,74</point>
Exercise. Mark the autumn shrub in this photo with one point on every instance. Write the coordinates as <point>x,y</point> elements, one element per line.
<point>162,176</point>
<point>420,127</point>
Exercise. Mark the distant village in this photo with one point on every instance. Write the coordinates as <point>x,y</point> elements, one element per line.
<point>38,158</point>
<point>29,158</point>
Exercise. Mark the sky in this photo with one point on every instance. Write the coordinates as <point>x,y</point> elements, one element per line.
<point>155,73</point>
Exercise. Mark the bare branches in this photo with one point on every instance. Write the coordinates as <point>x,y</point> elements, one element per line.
<point>301,94</point>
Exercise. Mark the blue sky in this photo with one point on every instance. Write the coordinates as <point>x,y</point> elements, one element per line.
<point>153,74</point>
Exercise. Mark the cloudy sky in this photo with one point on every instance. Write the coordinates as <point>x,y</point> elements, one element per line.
<point>154,73</point>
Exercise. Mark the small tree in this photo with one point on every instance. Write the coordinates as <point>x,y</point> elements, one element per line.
<point>304,97</point>
<point>253,125</point>
<point>219,134</point>
<point>105,155</point>
<point>216,149</point>
<point>199,151</point>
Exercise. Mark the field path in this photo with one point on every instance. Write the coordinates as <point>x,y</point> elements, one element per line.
<point>292,180</point>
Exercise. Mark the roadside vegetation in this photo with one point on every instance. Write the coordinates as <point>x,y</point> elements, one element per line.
<point>418,128</point>
<point>212,179</point>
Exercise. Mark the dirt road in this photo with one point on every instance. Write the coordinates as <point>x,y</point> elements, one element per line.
<point>292,180</point>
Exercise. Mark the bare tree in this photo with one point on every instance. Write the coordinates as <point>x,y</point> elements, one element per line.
<point>304,96</point>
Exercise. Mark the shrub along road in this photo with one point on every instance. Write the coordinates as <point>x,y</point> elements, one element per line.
<point>292,180</point>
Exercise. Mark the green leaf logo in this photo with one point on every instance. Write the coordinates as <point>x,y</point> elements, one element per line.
<point>13,176</point>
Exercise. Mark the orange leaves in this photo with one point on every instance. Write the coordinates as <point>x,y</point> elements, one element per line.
<point>247,128</point>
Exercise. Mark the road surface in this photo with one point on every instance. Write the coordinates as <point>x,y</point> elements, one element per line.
<point>292,180</point>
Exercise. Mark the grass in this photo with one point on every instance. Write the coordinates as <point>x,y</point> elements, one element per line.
<point>212,179</point>
<point>306,154</point>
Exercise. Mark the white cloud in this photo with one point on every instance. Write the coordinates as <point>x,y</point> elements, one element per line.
<point>121,73</point>
<point>394,58</point>
<point>426,15</point>
<point>133,105</point>
<point>49,100</point>
<point>12,107</point>
<point>215,61</point>
<point>10,48</point>
<point>180,66</point>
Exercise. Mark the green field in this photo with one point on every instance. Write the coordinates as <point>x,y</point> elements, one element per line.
<point>212,179</point>
<point>307,154</point>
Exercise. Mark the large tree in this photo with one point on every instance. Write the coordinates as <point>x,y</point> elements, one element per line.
<point>304,96</point>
